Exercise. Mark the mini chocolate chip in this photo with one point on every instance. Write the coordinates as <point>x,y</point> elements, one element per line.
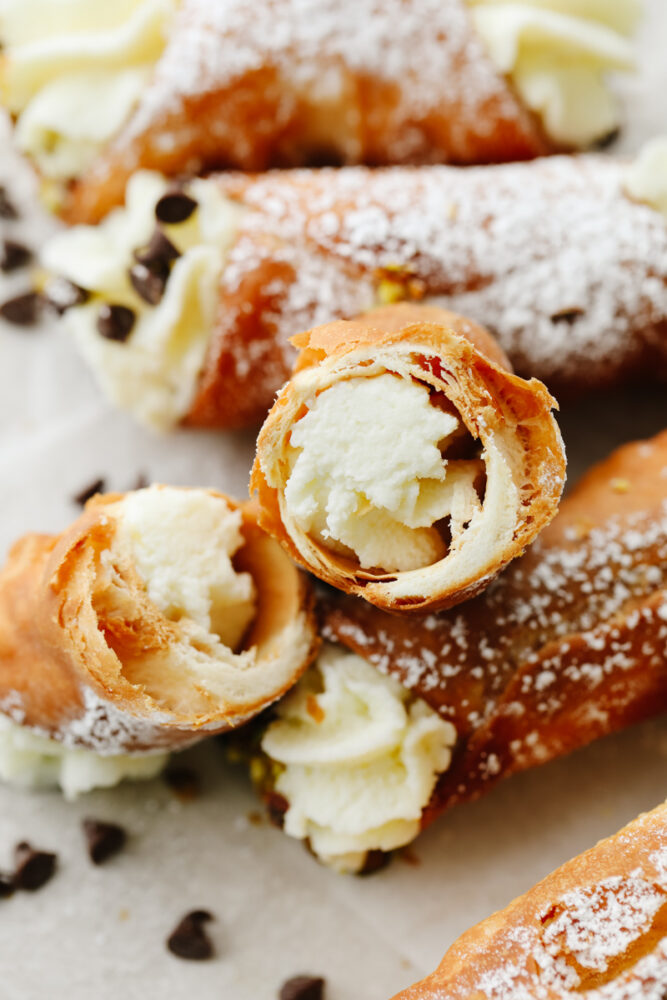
<point>149,282</point>
<point>115,322</point>
<point>33,868</point>
<point>7,210</point>
<point>104,839</point>
<point>62,295</point>
<point>158,249</point>
<point>567,315</point>
<point>83,496</point>
<point>276,806</point>
<point>189,939</point>
<point>183,781</point>
<point>141,482</point>
<point>375,861</point>
<point>608,140</point>
<point>302,988</point>
<point>14,256</point>
<point>6,886</point>
<point>174,207</point>
<point>22,310</point>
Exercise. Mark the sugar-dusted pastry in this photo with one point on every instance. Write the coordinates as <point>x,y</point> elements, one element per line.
<point>157,618</point>
<point>567,645</point>
<point>554,257</point>
<point>403,462</point>
<point>596,927</point>
<point>97,95</point>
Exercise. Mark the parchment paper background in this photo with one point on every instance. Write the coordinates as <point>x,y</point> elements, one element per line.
<point>99,933</point>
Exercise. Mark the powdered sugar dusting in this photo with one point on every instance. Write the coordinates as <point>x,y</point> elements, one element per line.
<point>568,272</point>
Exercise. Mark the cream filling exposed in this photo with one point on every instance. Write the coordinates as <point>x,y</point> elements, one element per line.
<point>646,178</point>
<point>360,758</point>
<point>153,373</point>
<point>368,477</point>
<point>31,760</point>
<point>74,70</point>
<point>181,543</point>
<point>558,54</point>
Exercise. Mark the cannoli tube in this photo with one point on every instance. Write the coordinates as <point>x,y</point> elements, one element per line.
<point>596,927</point>
<point>196,86</point>
<point>157,618</point>
<point>402,718</point>
<point>403,462</point>
<point>563,259</point>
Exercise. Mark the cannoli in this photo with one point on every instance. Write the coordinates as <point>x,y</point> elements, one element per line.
<point>596,927</point>
<point>567,645</point>
<point>97,95</point>
<point>554,257</point>
<point>403,462</point>
<point>157,618</point>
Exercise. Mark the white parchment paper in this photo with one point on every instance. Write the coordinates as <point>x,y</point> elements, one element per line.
<point>100,932</point>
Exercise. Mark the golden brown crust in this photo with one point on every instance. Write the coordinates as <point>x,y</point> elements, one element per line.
<point>425,93</point>
<point>75,622</point>
<point>500,410</point>
<point>596,926</point>
<point>566,646</point>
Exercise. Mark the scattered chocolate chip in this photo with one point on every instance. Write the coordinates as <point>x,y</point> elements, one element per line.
<point>14,256</point>
<point>115,322</point>
<point>149,282</point>
<point>276,806</point>
<point>83,496</point>
<point>141,482</point>
<point>174,207</point>
<point>62,295</point>
<point>158,250</point>
<point>22,310</point>
<point>7,210</point>
<point>375,862</point>
<point>183,781</point>
<point>302,988</point>
<point>6,886</point>
<point>189,939</point>
<point>104,839</point>
<point>567,315</point>
<point>608,140</point>
<point>33,868</point>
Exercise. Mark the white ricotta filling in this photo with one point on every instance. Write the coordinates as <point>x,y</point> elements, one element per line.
<point>558,54</point>
<point>73,72</point>
<point>181,542</point>
<point>31,760</point>
<point>367,475</point>
<point>361,757</point>
<point>646,178</point>
<point>154,373</point>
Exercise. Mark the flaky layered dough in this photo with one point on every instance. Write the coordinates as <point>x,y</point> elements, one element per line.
<point>594,928</point>
<point>568,645</point>
<point>82,644</point>
<point>284,83</point>
<point>522,460</point>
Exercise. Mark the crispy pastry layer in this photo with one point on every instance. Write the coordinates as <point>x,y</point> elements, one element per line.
<point>514,441</point>
<point>569,644</point>
<point>287,83</point>
<point>88,658</point>
<point>596,927</point>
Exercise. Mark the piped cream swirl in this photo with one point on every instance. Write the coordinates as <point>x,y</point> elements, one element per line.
<point>558,54</point>
<point>360,757</point>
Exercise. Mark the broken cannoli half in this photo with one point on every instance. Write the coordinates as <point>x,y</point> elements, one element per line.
<point>596,927</point>
<point>403,462</point>
<point>401,718</point>
<point>157,618</point>
<point>185,300</point>
<point>99,91</point>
